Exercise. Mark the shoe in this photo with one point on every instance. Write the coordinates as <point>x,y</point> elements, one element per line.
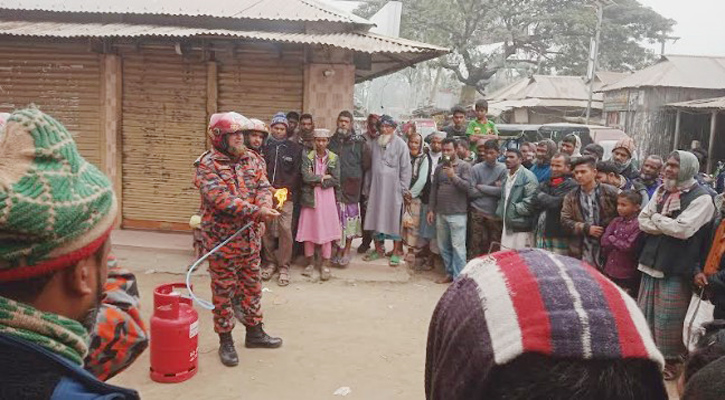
<point>227,352</point>
<point>325,273</point>
<point>258,338</point>
<point>309,270</point>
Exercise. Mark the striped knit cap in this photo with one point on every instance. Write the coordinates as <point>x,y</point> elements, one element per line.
<point>528,301</point>
<point>55,207</point>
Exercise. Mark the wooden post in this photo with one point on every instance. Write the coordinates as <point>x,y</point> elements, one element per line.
<point>711,147</point>
<point>677,130</point>
<point>111,114</point>
<point>212,93</point>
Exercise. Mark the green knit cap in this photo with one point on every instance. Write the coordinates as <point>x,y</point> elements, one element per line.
<point>56,208</point>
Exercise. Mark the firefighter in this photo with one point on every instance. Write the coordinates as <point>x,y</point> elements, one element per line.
<point>235,191</point>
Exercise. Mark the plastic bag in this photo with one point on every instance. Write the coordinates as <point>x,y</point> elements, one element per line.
<point>408,221</point>
<point>698,313</point>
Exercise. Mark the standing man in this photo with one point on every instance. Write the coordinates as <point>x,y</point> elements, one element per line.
<point>427,237</point>
<point>587,210</point>
<point>256,133</point>
<point>484,227</point>
<point>448,209</point>
<point>370,135</point>
<point>607,172</point>
<point>458,126</point>
<point>235,191</point>
<point>649,175</point>
<point>545,150</point>
<point>622,154</point>
<point>481,128</point>
<point>350,148</point>
<point>677,222</point>
<point>293,121</point>
<point>571,145</point>
<point>53,262</point>
<point>550,233</point>
<point>389,181</point>
<point>463,150</point>
<point>284,161</point>
<point>515,208</point>
<point>306,133</point>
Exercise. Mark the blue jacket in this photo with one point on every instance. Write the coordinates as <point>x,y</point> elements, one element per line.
<point>27,368</point>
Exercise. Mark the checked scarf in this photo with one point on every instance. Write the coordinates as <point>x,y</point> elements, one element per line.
<point>60,335</point>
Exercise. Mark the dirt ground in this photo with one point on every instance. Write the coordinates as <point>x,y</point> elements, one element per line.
<point>365,334</point>
<point>365,330</point>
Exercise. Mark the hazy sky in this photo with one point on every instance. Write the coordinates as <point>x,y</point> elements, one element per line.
<point>700,24</point>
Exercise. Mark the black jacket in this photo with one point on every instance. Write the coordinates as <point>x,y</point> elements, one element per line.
<point>354,159</point>
<point>284,163</point>
<point>551,199</point>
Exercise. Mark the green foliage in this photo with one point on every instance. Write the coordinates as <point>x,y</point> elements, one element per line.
<point>551,35</point>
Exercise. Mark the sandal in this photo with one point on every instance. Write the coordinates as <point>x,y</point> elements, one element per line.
<point>283,278</point>
<point>344,261</point>
<point>372,255</point>
<point>394,260</point>
<point>267,272</point>
<point>309,270</point>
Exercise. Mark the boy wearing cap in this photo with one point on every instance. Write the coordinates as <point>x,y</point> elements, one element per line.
<point>235,191</point>
<point>57,214</point>
<point>284,161</point>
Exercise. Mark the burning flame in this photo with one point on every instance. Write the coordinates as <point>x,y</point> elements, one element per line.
<point>281,196</point>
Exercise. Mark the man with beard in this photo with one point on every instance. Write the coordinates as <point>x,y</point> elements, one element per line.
<point>463,150</point>
<point>545,150</point>
<point>256,132</point>
<point>649,175</point>
<point>484,227</point>
<point>427,233</point>
<point>370,135</point>
<point>354,158</point>
<point>284,163</point>
<point>235,191</point>
<point>550,234</point>
<point>458,126</point>
<point>390,175</point>
<point>677,222</point>
<point>58,214</point>
<point>571,145</point>
<point>622,154</point>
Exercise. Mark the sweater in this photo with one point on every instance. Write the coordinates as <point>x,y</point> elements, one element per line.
<point>450,195</point>
<point>621,243</point>
<point>483,192</point>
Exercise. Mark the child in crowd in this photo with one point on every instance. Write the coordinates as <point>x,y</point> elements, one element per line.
<point>621,242</point>
<point>319,221</point>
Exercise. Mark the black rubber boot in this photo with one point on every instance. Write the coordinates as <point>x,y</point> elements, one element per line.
<point>258,338</point>
<point>227,352</point>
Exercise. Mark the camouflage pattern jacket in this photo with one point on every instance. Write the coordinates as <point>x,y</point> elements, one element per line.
<point>232,193</point>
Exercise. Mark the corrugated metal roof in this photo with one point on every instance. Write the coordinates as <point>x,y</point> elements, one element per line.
<point>698,72</point>
<point>358,41</point>
<point>498,107</point>
<point>287,10</point>
<point>717,103</point>
<point>545,87</point>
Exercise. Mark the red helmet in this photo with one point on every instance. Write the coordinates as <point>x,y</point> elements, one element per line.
<point>221,124</point>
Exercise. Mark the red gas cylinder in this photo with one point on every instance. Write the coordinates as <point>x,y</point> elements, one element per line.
<point>174,336</point>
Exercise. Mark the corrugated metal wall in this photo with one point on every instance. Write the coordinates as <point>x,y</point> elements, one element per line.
<point>164,128</point>
<point>259,81</point>
<point>63,80</point>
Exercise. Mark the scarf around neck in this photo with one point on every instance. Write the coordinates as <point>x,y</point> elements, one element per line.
<point>57,334</point>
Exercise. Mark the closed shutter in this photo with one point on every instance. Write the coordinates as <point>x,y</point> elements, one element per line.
<point>164,125</point>
<point>61,79</point>
<point>258,82</point>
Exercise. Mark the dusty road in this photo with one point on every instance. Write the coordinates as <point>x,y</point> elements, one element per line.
<point>365,330</point>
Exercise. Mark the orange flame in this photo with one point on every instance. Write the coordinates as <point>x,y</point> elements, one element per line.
<point>281,196</point>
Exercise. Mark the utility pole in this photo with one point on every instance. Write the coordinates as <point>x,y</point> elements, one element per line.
<point>594,56</point>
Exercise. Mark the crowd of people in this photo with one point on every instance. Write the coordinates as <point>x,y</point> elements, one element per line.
<point>537,317</point>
